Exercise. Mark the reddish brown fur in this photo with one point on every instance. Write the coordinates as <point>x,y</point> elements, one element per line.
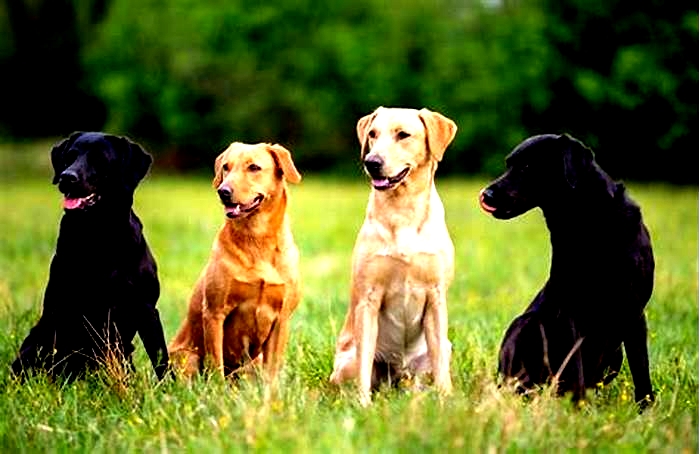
<point>239,311</point>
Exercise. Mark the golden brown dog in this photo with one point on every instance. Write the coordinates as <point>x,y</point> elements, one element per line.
<point>402,265</point>
<point>243,300</point>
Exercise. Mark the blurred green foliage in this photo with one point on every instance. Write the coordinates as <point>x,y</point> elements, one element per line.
<point>187,77</point>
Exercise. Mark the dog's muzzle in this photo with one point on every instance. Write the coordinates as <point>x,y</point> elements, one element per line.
<point>486,200</point>
<point>69,185</point>
<point>375,168</point>
<point>233,209</point>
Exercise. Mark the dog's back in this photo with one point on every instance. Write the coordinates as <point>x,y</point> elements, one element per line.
<point>601,256</point>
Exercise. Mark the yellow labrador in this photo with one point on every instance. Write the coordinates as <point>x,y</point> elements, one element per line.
<point>403,261</point>
<point>239,311</point>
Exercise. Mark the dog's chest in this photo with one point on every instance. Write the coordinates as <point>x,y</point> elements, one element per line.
<point>260,284</point>
<point>400,287</point>
<point>255,306</point>
<point>404,258</point>
<point>250,297</point>
<point>400,326</point>
<point>252,309</point>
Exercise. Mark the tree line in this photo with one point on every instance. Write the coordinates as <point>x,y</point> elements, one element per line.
<point>187,77</point>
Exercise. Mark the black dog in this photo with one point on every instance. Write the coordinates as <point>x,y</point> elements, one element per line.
<point>103,284</point>
<point>601,275</point>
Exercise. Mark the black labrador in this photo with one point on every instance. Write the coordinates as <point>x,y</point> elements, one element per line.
<point>103,283</point>
<point>601,275</point>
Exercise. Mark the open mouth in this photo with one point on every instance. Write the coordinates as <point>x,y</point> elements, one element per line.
<point>79,203</point>
<point>382,184</point>
<point>236,210</point>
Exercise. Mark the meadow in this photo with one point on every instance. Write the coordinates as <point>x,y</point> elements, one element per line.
<point>500,265</point>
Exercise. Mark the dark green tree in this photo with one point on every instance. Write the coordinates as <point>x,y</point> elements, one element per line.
<point>187,77</point>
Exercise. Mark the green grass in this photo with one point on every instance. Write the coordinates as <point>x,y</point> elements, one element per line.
<point>499,267</point>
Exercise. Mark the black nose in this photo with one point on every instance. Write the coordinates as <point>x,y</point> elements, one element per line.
<point>68,176</point>
<point>224,193</point>
<point>374,164</point>
<point>487,196</point>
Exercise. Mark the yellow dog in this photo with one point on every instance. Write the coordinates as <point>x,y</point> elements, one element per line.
<point>403,260</point>
<point>240,309</point>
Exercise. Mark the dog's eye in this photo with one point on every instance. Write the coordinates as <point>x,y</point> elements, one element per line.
<point>225,167</point>
<point>403,135</point>
<point>254,167</point>
<point>372,134</point>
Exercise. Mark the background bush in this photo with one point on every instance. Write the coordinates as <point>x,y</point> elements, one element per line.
<point>187,77</point>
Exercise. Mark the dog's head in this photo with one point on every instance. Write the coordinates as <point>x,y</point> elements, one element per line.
<point>539,170</point>
<point>397,141</point>
<point>249,176</point>
<point>92,168</point>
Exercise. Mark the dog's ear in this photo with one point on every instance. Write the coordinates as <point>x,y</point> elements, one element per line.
<point>57,152</point>
<point>218,169</point>
<point>439,132</point>
<point>362,127</point>
<point>283,158</point>
<point>136,163</point>
<point>578,159</point>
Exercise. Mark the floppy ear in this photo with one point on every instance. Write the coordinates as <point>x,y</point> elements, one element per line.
<point>283,158</point>
<point>362,127</point>
<point>218,171</point>
<point>56,153</point>
<point>136,163</point>
<point>439,132</point>
<point>578,159</point>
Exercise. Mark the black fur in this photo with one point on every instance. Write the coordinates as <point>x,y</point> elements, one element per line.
<point>601,274</point>
<point>103,282</point>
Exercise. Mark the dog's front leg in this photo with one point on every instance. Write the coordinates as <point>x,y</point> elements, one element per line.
<point>150,329</point>
<point>273,351</point>
<point>439,351</point>
<point>366,330</point>
<point>577,372</point>
<point>213,324</point>
<point>36,348</point>
<point>638,359</point>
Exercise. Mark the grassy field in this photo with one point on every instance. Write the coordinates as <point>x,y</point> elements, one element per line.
<point>500,266</point>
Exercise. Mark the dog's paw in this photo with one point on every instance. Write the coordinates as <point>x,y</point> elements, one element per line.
<point>645,402</point>
<point>365,399</point>
<point>444,387</point>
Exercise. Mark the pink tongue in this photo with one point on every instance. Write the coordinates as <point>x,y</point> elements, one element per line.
<point>381,184</point>
<point>487,208</point>
<point>233,211</point>
<point>71,204</point>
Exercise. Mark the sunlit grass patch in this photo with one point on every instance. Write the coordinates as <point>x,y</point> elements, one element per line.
<point>499,268</point>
